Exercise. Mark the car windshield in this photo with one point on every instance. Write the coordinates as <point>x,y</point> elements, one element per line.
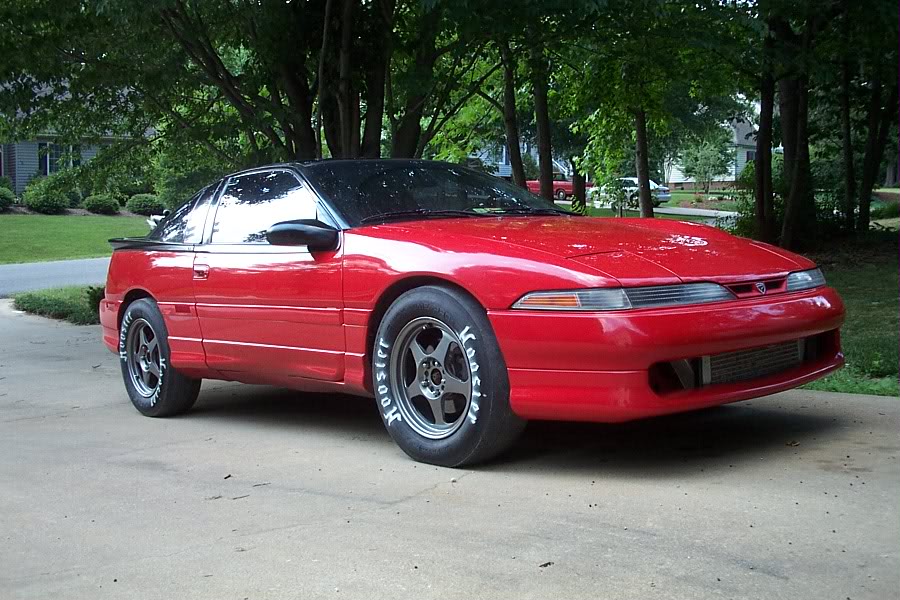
<point>370,191</point>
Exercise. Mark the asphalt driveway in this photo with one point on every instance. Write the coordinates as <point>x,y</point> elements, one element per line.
<point>263,493</point>
<point>41,275</point>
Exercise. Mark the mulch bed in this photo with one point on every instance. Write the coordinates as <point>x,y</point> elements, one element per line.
<point>17,209</point>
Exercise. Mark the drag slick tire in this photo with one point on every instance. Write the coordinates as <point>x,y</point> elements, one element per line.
<point>440,380</point>
<point>155,387</point>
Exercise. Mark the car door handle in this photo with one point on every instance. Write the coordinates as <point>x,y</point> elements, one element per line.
<point>201,271</point>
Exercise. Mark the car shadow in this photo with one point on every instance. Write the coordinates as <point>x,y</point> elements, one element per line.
<point>720,438</point>
<point>278,407</point>
<point>686,444</point>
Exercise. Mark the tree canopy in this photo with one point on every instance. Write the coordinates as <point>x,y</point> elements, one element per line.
<point>612,87</point>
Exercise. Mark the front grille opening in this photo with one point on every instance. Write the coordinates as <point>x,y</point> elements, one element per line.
<point>758,288</point>
<point>742,365</point>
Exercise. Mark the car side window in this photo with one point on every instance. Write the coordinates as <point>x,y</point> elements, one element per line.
<point>184,225</point>
<point>250,204</point>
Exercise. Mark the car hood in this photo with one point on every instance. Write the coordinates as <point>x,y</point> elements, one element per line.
<point>631,250</point>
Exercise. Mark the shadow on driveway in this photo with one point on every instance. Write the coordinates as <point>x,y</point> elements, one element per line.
<point>726,437</point>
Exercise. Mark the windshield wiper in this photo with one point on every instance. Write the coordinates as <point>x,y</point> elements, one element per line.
<point>529,211</point>
<point>418,212</point>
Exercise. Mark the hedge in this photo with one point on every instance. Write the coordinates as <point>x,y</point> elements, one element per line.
<point>101,204</point>
<point>7,198</point>
<point>145,204</point>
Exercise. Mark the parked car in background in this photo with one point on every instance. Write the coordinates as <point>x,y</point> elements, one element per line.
<point>462,304</point>
<point>562,188</point>
<point>629,186</point>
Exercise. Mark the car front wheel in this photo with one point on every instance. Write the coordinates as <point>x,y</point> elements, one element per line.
<point>441,381</point>
<point>155,387</point>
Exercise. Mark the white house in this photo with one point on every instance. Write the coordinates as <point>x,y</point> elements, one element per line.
<point>497,159</point>
<point>743,144</point>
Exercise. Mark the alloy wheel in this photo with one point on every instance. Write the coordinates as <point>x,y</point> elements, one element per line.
<point>431,378</point>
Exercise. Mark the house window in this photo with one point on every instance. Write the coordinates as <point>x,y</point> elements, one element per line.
<point>751,155</point>
<point>53,157</point>
<point>2,172</point>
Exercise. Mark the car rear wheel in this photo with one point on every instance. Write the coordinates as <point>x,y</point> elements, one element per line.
<point>155,387</point>
<point>441,381</point>
<point>560,195</point>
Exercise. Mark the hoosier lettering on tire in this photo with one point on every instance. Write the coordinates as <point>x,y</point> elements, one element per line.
<point>440,379</point>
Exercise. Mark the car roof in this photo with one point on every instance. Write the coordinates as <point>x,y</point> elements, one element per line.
<point>311,165</point>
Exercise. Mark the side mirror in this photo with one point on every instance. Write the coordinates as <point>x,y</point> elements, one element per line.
<point>311,233</point>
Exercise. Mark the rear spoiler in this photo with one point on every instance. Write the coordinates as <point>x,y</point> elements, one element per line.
<point>143,243</point>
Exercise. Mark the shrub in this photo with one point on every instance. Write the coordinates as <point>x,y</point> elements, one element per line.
<point>43,196</point>
<point>885,210</point>
<point>101,204</point>
<point>6,183</point>
<point>7,198</point>
<point>74,304</point>
<point>145,204</point>
<point>95,295</point>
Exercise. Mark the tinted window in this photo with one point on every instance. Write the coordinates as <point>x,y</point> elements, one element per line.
<point>365,189</point>
<point>184,225</point>
<point>251,204</point>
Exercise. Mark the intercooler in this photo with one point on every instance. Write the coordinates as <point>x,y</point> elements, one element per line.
<point>745,365</point>
<point>732,367</point>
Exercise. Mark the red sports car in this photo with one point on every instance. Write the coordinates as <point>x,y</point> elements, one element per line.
<point>464,305</point>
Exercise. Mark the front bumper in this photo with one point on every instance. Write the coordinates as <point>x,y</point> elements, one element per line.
<point>597,366</point>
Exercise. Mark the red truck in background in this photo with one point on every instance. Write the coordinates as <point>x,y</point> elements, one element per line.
<point>562,188</point>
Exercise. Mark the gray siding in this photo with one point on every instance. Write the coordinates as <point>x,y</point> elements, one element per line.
<point>22,161</point>
<point>26,164</point>
<point>89,152</point>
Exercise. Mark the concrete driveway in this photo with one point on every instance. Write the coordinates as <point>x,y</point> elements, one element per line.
<point>262,493</point>
<point>42,275</point>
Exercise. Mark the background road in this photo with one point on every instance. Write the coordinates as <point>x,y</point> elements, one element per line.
<point>262,493</point>
<point>42,275</point>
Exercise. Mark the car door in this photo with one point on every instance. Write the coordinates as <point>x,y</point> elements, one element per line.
<point>264,309</point>
<point>167,266</point>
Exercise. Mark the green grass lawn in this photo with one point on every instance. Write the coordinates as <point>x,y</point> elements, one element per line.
<point>682,198</point>
<point>868,285</point>
<point>608,212</point>
<point>33,238</point>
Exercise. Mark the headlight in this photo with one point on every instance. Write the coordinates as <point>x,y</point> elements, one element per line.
<point>804,280</point>
<point>625,298</point>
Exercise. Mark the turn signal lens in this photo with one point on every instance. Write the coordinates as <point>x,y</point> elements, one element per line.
<point>599,299</point>
<point>805,280</point>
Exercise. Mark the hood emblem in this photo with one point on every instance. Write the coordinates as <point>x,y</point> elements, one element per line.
<point>761,287</point>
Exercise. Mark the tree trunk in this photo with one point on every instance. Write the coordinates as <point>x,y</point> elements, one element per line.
<point>847,143</point>
<point>877,137</point>
<point>765,213</point>
<point>510,119</point>
<point>788,94</point>
<point>376,78</point>
<point>320,77</point>
<point>641,163</point>
<point>539,84</point>
<point>579,196</point>
<point>797,215</point>
<point>345,92</point>
<point>331,125</point>
<point>371,140</point>
<point>406,139</point>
